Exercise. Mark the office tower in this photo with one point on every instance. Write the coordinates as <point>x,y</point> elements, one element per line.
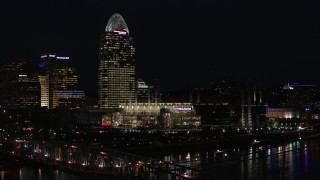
<point>117,65</point>
<point>20,87</point>
<point>44,84</point>
<point>56,74</point>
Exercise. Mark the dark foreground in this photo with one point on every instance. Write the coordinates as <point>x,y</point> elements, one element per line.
<point>277,156</point>
<point>294,160</point>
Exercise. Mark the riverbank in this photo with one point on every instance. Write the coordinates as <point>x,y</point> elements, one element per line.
<point>79,171</point>
<point>11,164</point>
<point>156,151</point>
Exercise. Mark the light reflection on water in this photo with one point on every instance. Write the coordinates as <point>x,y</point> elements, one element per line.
<point>295,160</point>
<point>32,173</point>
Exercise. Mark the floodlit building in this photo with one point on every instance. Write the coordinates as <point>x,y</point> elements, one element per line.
<point>161,115</point>
<point>44,84</point>
<point>116,71</point>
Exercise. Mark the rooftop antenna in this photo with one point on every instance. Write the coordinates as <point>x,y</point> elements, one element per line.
<point>243,120</point>
<point>260,94</point>
<point>156,95</point>
<point>249,109</point>
<point>198,97</point>
<point>255,95</point>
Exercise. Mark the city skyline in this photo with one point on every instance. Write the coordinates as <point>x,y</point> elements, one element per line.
<point>192,40</point>
<point>195,90</point>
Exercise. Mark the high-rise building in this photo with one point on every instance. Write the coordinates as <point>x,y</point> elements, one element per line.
<point>44,84</point>
<point>117,65</point>
<point>56,74</point>
<point>20,87</point>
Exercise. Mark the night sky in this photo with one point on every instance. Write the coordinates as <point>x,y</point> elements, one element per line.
<point>181,43</point>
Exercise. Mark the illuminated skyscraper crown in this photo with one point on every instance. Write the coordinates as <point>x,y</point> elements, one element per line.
<point>117,24</point>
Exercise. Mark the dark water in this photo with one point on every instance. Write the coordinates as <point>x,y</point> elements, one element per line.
<point>36,173</point>
<point>295,160</point>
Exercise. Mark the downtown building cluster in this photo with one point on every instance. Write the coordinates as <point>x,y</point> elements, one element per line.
<point>46,86</point>
<point>126,101</point>
<point>49,83</point>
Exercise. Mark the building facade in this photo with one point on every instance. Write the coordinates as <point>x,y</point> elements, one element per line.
<point>71,99</point>
<point>20,87</point>
<point>160,115</point>
<point>56,74</point>
<point>117,65</point>
<point>147,93</point>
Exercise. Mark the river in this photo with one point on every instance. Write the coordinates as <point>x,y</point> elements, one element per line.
<point>27,172</point>
<point>294,160</point>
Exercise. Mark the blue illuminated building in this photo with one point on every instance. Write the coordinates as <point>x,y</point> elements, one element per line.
<point>56,74</point>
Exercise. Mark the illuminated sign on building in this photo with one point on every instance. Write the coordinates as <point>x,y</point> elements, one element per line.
<point>120,32</point>
<point>47,55</point>
<point>60,57</point>
<point>182,108</point>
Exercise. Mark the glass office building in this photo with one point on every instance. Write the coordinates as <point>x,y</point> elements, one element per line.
<point>117,65</point>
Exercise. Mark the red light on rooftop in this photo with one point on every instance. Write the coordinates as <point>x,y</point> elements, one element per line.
<point>106,125</point>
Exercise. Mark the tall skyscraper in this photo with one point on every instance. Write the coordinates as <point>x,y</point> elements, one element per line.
<point>117,65</point>
<point>44,84</point>
<point>56,74</point>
